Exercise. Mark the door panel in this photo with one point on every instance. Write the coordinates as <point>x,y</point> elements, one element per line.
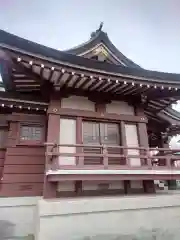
<point>67,136</point>
<point>91,136</point>
<point>132,141</point>
<point>91,133</point>
<point>101,134</point>
<point>109,133</point>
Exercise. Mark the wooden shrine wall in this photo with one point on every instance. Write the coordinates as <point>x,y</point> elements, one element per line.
<point>23,171</point>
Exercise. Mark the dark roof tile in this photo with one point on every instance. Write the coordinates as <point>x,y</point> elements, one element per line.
<point>12,41</point>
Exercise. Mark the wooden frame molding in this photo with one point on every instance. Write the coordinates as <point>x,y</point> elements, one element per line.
<point>96,115</point>
<point>53,134</point>
<point>31,142</point>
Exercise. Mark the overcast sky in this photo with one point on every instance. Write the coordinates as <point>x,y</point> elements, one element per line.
<point>147,31</point>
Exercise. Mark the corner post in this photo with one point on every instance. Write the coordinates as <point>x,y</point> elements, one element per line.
<point>53,131</point>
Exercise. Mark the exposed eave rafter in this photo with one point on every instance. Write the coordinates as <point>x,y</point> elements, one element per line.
<point>43,65</point>
<point>22,102</point>
<point>142,83</point>
<point>65,78</point>
<point>28,48</point>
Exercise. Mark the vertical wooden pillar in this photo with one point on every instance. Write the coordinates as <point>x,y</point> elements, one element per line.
<point>50,188</point>
<point>143,141</point>
<point>172,184</point>
<point>79,160</point>
<point>78,187</point>
<point>100,107</point>
<point>79,130</point>
<point>127,186</point>
<point>142,132</point>
<point>148,185</point>
<point>142,129</point>
<point>143,136</point>
<point>123,141</point>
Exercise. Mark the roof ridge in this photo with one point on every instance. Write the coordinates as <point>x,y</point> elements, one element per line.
<point>13,41</point>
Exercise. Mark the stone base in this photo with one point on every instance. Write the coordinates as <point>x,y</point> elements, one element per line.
<point>109,218</point>
<point>17,218</point>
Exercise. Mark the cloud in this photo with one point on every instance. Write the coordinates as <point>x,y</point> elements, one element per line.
<point>176,106</point>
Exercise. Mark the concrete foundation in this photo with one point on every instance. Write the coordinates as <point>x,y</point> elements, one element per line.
<point>146,217</point>
<point>17,218</point>
<point>137,217</point>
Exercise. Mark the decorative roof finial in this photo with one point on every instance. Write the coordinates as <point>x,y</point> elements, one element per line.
<point>93,34</point>
<point>100,27</point>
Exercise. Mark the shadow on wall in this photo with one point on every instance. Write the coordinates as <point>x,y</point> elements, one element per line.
<point>142,234</point>
<point>7,232</point>
<point>6,229</point>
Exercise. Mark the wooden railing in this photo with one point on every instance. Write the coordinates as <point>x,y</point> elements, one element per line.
<point>104,158</point>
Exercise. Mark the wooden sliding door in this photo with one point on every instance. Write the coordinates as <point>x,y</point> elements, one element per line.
<point>67,136</point>
<point>91,136</point>
<point>99,133</point>
<point>132,141</point>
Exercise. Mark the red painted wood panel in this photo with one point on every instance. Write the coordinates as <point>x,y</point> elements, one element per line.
<point>25,160</point>
<point>2,158</point>
<point>1,171</point>
<point>21,189</point>
<point>29,169</point>
<point>23,178</point>
<point>1,162</point>
<point>2,154</point>
<point>26,151</point>
<point>23,171</point>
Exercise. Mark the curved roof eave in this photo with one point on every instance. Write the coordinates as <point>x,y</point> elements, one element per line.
<point>102,37</point>
<point>171,116</point>
<point>175,114</point>
<point>18,44</point>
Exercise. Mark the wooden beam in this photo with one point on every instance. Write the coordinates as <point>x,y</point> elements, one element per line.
<point>96,115</point>
<point>164,94</point>
<point>33,98</point>
<point>97,95</point>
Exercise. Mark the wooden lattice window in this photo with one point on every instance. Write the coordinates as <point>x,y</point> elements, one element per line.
<point>101,133</point>
<point>31,133</point>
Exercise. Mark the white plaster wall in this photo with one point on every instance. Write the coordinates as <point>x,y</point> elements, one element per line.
<point>107,218</point>
<point>78,103</point>
<point>94,185</point>
<point>67,136</point>
<point>132,141</point>
<point>17,217</point>
<point>137,184</point>
<point>89,185</point>
<point>116,185</point>
<point>119,108</point>
<point>66,186</point>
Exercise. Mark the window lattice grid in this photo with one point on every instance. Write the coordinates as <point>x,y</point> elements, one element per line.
<point>109,133</point>
<point>101,133</point>
<point>31,133</point>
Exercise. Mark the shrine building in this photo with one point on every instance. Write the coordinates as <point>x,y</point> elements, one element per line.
<point>83,122</point>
